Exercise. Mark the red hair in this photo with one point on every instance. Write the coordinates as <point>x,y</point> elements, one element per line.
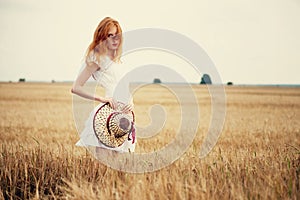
<point>98,45</point>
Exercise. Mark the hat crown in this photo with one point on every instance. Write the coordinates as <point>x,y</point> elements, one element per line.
<point>124,123</point>
<point>119,124</point>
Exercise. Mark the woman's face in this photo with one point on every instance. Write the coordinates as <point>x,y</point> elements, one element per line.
<point>113,39</point>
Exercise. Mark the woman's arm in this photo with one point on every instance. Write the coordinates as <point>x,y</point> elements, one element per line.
<point>82,78</point>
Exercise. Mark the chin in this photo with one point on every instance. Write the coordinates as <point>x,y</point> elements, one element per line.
<point>114,48</point>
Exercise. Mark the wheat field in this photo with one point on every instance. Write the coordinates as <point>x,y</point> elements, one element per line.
<point>256,157</point>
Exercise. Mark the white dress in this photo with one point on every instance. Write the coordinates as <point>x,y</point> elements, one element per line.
<point>108,77</point>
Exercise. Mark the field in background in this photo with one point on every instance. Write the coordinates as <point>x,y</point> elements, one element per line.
<point>257,155</point>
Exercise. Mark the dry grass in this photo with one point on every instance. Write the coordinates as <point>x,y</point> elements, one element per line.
<point>256,157</point>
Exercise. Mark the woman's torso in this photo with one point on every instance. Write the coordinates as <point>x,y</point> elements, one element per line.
<point>108,76</point>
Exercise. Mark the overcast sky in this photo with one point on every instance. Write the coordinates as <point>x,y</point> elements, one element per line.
<point>250,42</point>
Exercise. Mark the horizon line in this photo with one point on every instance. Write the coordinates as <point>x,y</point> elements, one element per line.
<point>179,83</point>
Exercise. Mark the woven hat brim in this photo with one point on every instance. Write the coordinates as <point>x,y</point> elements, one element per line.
<point>100,126</point>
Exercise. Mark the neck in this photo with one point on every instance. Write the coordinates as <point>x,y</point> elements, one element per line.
<point>111,54</point>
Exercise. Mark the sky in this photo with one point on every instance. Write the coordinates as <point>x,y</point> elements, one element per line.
<point>249,42</point>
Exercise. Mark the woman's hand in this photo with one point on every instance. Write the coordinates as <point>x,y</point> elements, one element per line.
<point>127,108</point>
<point>113,104</point>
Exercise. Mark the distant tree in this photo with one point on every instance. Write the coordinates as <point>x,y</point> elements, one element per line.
<point>53,81</point>
<point>229,83</point>
<point>21,79</point>
<point>205,79</point>
<point>156,80</point>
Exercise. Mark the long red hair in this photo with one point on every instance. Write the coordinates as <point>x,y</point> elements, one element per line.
<point>98,45</point>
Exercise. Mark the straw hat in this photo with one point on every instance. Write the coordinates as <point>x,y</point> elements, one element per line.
<point>112,127</point>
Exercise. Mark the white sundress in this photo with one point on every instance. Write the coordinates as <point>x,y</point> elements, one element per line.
<point>108,77</point>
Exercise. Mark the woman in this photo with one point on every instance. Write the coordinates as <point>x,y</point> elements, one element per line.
<point>101,62</point>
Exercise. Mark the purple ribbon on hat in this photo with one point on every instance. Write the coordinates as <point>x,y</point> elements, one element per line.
<point>133,133</point>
